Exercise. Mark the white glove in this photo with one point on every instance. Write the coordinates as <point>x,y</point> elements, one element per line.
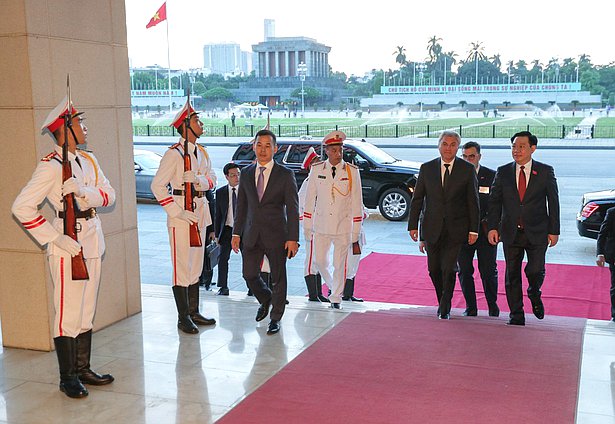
<point>189,217</point>
<point>67,244</point>
<point>189,177</point>
<point>72,186</point>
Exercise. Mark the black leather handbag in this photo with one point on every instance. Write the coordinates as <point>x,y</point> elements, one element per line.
<point>212,254</point>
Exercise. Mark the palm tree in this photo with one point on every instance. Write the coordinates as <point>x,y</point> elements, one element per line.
<point>434,49</point>
<point>400,56</point>
<point>496,60</point>
<point>476,53</point>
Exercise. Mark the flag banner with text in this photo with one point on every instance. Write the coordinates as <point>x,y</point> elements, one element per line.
<point>159,16</point>
<point>481,88</point>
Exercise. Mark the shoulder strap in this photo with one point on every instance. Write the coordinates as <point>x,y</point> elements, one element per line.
<point>93,162</point>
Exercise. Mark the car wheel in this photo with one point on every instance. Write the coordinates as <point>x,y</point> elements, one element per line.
<point>394,204</point>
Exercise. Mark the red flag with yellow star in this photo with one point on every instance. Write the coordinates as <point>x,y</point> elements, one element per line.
<point>159,16</point>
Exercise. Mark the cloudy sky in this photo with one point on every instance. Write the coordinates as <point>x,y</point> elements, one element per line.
<point>365,37</point>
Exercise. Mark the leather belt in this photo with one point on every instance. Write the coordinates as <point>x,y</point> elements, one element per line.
<point>195,193</point>
<point>86,214</point>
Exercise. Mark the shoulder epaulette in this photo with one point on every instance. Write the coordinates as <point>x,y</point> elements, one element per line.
<point>320,163</point>
<point>49,157</point>
<point>352,165</point>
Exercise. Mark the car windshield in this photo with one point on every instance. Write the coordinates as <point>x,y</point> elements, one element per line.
<point>376,154</point>
<point>148,160</point>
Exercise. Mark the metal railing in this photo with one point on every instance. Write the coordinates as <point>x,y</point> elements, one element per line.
<point>394,131</point>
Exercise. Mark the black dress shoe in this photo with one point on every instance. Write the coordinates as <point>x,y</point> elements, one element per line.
<point>73,388</point>
<point>88,376</point>
<point>323,299</point>
<point>199,319</point>
<point>354,299</point>
<point>515,322</point>
<point>223,291</point>
<point>470,313</point>
<point>494,311</point>
<point>538,308</point>
<point>274,327</point>
<point>336,305</point>
<point>444,316</point>
<point>263,311</point>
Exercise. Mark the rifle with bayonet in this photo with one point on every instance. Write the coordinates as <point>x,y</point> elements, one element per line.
<point>195,234</point>
<point>71,226</point>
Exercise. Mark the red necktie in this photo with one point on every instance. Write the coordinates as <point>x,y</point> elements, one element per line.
<point>522,183</point>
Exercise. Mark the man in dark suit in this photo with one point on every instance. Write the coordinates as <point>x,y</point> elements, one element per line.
<point>267,223</point>
<point>485,251</point>
<point>446,194</point>
<point>524,214</point>
<point>606,251</point>
<point>226,204</point>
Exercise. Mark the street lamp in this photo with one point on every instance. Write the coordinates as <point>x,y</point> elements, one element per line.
<point>302,70</point>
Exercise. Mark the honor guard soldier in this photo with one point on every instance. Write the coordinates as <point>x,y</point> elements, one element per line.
<point>187,260</point>
<point>333,213</point>
<point>313,280</point>
<point>74,296</point>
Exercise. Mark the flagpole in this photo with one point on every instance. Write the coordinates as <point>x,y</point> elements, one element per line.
<point>169,62</point>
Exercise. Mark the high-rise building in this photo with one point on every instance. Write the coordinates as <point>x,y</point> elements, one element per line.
<point>226,59</point>
<point>269,28</point>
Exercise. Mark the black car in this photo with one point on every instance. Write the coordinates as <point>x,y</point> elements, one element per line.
<point>388,183</point>
<point>146,166</point>
<point>593,209</point>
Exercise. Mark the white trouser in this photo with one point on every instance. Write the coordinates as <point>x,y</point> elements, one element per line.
<point>353,260</point>
<point>309,267</point>
<point>187,261</point>
<point>74,301</point>
<point>322,246</point>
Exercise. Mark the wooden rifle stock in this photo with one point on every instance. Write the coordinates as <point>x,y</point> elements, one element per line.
<point>195,234</point>
<point>78,267</point>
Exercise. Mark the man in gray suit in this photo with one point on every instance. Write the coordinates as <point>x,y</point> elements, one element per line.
<point>446,194</point>
<point>267,223</point>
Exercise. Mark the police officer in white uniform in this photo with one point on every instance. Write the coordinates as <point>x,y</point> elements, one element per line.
<point>187,260</point>
<point>74,300</point>
<point>333,213</point>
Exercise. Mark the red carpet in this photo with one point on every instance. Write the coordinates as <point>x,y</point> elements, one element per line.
<point>409,367</point>
<point>569,290</point>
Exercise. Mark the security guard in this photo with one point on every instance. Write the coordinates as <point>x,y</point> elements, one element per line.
<point>333,213</point>
<point>187,260</point>
<point>74,300</point>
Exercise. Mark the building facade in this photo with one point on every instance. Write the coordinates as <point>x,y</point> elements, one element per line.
<point>226,59</point>
<point>281,56</point>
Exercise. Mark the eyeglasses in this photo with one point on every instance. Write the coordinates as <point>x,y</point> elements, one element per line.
<point>472,156</point>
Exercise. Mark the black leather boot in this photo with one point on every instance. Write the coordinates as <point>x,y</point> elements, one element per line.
<point>319,289</point>
<point>66,349</point>
<point>193,307</point>
<point>85,374</point>
<point>310,282</point>
<point>349,291</point>
<point>184,322</point>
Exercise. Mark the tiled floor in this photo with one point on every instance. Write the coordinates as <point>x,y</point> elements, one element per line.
<point>164,376</point>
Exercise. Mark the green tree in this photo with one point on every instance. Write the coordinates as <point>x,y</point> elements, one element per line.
<point>311,95</point>
<point>217,94</point>
<point>434,49</point>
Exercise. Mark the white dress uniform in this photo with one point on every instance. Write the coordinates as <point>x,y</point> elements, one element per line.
<point>353,260</point>
<point>187,261</point>
<point>333,216</point>
<point>309,268</point>
<point>74,301</point>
